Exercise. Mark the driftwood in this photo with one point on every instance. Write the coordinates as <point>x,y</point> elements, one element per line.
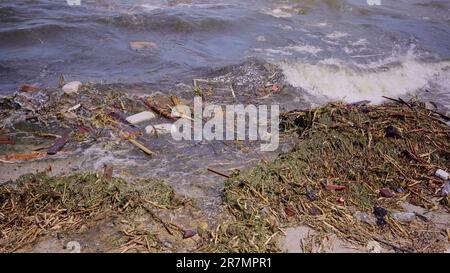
<point>218,173</point>
<point>159,110</point>
<point>6,140</point>
<point>58,145</point>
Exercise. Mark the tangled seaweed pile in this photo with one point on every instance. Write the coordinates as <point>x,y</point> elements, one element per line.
<point>39,205</point>
<point>351,161</point>
<point>34,120</point>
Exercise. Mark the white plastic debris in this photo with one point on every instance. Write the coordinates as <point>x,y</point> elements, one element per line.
<point>442,174</point>
<point>72,87</point>
<point>159,129</point>
<point>365,218</point>
<point>446,188</point>
<point>141,117</point>
<point>404,216</point>
<point>74,108</point>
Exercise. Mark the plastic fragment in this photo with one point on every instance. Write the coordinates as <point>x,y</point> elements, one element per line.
<point>442,174</point>
<point>140,117</point>
<point>72,87</point>
<point>404,216</point>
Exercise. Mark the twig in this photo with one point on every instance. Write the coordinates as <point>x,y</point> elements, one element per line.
<point>140,146</point>
<point>160,111</point>
<point>218,173</point>
<point>232,91</point>
<point>393,245</point>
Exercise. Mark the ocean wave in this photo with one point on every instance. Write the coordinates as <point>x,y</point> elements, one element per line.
<point>33,34</point>
<point>395,76</point>
<point>173,22</point>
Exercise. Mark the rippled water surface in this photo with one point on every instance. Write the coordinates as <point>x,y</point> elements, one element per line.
<point>333,49</point>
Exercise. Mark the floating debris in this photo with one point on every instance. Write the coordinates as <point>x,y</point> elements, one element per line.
<point>142,45</point>
<point>59,144</point>
<point>140,117</point>
<point>29,88</point>
<point>71,87</point>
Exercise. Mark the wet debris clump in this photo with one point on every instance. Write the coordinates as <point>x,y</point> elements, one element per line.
<point>344,147</point>
<point>38,206</point>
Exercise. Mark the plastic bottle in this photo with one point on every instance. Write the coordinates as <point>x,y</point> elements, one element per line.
<point>365,218</point>
<point>404,216</point>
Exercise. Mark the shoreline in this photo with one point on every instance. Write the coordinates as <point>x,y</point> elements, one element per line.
<point>207,225</point>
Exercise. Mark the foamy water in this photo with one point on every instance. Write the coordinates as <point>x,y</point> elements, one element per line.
<point>331,49</point>
<point>333,79</point>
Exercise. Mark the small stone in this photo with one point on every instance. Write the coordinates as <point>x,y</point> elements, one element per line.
<point>312,196</point>
<point>394,132</point>
<point>430,106</point>
<point>141,117</point>
<point>381,222</point>
<point>379,212</point>
<point>72,87</point>
<point>189,233</point>
<point>167,244</point>
<point>385,192</point>
<point>446,188</point>
<point>442,174</point>
<point>315,211</point>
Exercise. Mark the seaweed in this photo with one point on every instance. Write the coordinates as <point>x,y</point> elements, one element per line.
<point>344,145</point>
<point>37,205</point>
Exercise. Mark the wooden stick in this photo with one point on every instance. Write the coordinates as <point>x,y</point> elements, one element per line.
<point>140,146</point>
<point>218,173</point>
<point>232,91</point>
<point>160,111</point>
<point>59,144</point>
<point>6,140</point>
<point>393,245</point>
<point>399,100</point>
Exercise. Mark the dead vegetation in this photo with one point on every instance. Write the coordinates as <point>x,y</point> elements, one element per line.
<point>352,168</point>
<point>350,160</point>
<point>39,205</point>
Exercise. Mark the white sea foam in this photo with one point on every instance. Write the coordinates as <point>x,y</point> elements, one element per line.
<point>332,79</point>
<point>336,35</point>
<point>305,49</point>
<point>289,50</point>
<point>279,12</point>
